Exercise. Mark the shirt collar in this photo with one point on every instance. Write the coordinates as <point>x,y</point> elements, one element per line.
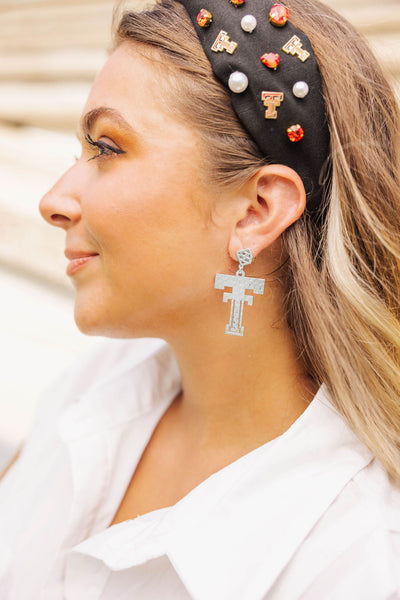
<point>232,535</point>
<point>245,533</point>
<point>141,375</point>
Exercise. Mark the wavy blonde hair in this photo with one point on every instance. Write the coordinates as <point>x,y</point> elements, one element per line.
<point>342,278</point>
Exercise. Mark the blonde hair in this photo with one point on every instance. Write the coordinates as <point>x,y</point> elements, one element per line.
<point>342,279</point>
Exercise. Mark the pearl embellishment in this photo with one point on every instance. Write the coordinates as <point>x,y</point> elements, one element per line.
<point>238,82</point>
<point>248,23</point>
<point>300,89</point>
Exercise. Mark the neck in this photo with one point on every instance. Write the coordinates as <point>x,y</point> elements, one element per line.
<point>252,386</point>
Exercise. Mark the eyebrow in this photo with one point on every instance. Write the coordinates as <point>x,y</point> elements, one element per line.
<point>89,120</point>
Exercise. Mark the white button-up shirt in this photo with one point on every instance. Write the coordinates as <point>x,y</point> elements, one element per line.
<point>310,515</point>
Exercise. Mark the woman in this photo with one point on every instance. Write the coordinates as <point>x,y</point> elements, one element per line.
<point>257,454</point>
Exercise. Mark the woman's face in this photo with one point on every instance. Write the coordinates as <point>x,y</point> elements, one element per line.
<point>138,241</point>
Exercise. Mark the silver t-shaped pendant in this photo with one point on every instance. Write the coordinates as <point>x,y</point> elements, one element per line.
<point>239,284</point>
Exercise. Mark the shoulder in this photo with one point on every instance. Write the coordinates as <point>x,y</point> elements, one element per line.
<point>353,551</point>
<point>106,362</point>
<point>107,382</point>
<point>109,369</point>
<point>109,358</point>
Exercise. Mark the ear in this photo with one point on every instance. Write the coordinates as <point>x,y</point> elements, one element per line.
<point>272,200</point>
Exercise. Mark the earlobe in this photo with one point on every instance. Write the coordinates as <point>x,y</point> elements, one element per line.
<point>275,199</point>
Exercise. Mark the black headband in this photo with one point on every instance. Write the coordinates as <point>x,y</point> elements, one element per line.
<point>278,99</point>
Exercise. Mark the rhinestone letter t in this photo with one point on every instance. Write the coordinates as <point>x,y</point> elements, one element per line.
<point>239,284</point>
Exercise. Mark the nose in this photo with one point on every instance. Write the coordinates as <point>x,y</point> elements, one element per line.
<point>60,206</point>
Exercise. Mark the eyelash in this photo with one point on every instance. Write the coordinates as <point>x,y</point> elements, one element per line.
<point>105,150</point>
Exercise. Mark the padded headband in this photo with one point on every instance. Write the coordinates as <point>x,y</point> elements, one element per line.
<point>271,71</point>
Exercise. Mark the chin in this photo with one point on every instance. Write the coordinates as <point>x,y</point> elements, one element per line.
<point>96,319</point>
<point>88,323</point>
<point>90,316</point>
<point>92,311</point>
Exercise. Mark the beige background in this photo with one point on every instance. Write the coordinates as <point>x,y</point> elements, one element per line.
<point>50,51</point>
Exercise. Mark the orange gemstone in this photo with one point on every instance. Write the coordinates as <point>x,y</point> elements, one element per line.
<point>238,2</point>
<point>204,18</point>
<point>279,15</point>
<point>270,60</point>
<point>295,133</point>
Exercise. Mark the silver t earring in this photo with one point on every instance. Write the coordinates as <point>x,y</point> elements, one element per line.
<point>239,284</point>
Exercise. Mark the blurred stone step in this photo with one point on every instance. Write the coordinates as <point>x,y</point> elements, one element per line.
<point>72,64</point>
<point>55,25</point>
<point>358,4</point>
<point>387,51</point>
<point>370,17</point>
<point>378,18</point>
<point>39,340</point>
<point>30,247</point>
<point>47,105</point>
<point>30,162</point>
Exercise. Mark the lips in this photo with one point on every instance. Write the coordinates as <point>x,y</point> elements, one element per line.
<point>78,259</point>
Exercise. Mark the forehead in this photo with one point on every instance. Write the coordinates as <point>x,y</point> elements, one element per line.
<point>125,78</point>
<point>130,83</point>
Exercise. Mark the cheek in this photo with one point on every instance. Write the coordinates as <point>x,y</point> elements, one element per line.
<point>132,237</point>
<point>137,206</point>
<point>149,230</point>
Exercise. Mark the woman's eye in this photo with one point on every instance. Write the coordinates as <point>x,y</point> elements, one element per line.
<point>103,149</point>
